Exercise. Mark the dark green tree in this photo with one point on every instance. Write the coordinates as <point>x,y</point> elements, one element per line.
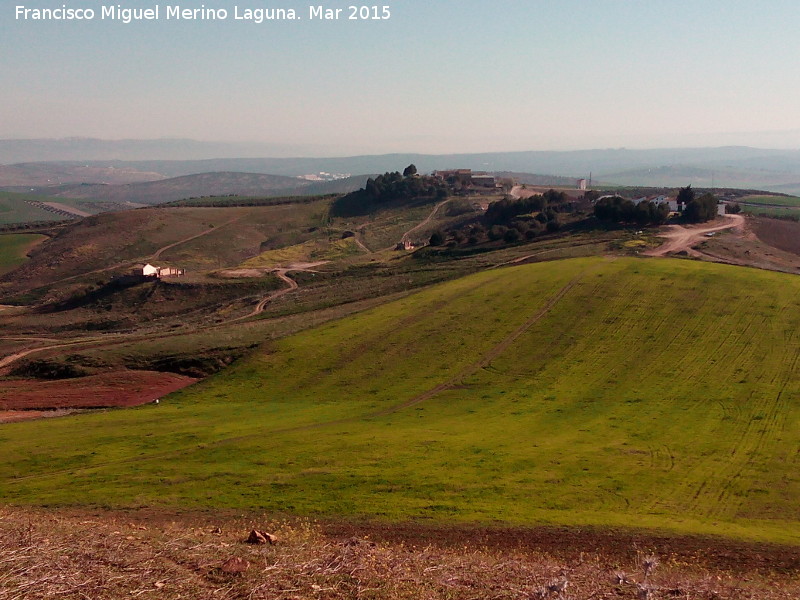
<point>437,238</point>
<point>701,209</point>
<point>686,195</point>
<point>410,170</point>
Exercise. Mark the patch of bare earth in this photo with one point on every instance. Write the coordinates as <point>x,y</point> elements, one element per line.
<point>746,247</point>
<point>61,554</point>
<point>784,235</point>
<point>113,389</point>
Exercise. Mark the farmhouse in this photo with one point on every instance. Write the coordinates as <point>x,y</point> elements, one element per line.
<point>464,175</point>
<point>158,272</point>
<point>467,177</point>
<point>673,203</point>
<point>404,245</point>
<point>488,181</point>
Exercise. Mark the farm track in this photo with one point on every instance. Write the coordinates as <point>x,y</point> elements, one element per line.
<point>484,362</point>
<point>407,235</point>
<point>682,239</point>
<point>7,361</point>
<point>157,254</point>
<point>523,259</point>
<point>361,245</point>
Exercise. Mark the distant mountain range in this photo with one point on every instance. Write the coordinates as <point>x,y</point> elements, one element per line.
<point>730,166</point>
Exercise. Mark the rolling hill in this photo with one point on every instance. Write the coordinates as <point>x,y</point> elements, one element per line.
<point>653,393</point>
<point>199,185</point>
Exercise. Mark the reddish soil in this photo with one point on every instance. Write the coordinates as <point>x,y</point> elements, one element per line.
<point>118,388</point>
<point>781,234</point>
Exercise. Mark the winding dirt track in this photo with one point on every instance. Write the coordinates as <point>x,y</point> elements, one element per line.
<point>12,358</point>
<point>681,239</point>
<point>291,286</point>
<point>424,223</point>
<point>157,254</point>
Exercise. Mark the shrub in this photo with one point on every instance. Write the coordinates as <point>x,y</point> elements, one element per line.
<point>437,238</point>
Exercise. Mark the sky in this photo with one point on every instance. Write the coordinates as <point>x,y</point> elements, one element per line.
<point>437,76</point>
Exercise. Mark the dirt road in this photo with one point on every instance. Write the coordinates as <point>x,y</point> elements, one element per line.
<point>160,251</point>
<point>424,223</point>
<point>291,286</point>
<point>681,239</point>
<point>361,245</point>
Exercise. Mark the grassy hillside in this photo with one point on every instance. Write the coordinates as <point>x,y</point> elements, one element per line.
<point>14,249</point>
<point>192,238</point>
<point>628,392</point>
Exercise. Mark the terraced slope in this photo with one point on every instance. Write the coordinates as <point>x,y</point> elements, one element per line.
<point>630,392</point>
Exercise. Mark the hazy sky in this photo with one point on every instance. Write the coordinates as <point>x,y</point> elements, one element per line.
<point>439,76</point>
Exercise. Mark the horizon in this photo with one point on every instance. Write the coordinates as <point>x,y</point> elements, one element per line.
<point>454,77</point>
<point>310,155</point>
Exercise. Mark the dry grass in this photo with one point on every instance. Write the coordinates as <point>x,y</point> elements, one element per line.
<point>47,554</point>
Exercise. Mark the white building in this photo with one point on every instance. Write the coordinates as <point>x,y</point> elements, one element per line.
<point>150,271</point>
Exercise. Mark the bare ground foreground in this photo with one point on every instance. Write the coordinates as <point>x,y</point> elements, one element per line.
<point>103,555</point>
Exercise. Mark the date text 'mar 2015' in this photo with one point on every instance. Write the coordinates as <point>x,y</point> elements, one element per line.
<point>353,13</point>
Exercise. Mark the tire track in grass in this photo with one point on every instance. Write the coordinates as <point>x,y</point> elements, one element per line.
<point>772,416</point>
<point>697,484</point>
<point>489,356</point>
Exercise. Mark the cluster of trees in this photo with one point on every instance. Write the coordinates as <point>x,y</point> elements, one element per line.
<point>397,186</point>
<point>697,210</point>
<point>621,210</point>
<point>387,187</point>
<point>549,203</point>
<point>514,231</point>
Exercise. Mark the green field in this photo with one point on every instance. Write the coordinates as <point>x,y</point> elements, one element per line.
<point>773,212</point>
<point>643,393</point>
<point>14,248</point>
<point>783,206</point>
<point>777,200</point>
<point>14,208</point>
